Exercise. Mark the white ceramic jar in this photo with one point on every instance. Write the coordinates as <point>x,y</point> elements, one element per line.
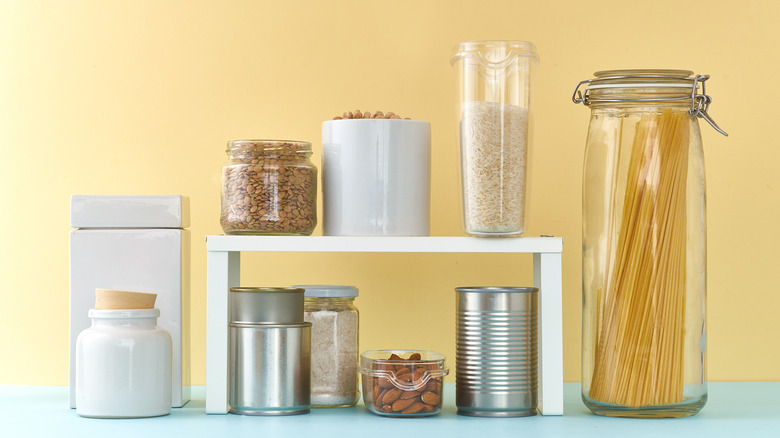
<point>376,177</point>
<point>123,365</point>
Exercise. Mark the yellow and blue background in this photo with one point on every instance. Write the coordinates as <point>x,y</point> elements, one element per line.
<point>118,97</point>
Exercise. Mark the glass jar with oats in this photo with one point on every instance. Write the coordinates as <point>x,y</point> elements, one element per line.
<point>269,187</point>
<point>644,264</point>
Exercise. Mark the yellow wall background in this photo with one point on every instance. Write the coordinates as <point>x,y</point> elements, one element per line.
<point>118,97</point>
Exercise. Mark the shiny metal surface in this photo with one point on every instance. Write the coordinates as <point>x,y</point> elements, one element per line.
<point>266,305</point>
<point>496,365</point>
<point>270,369</point>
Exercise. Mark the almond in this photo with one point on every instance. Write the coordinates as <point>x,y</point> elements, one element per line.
<point>418,374</point>
<point>387,409</point>
<point>415,356</point>
<point>402,370</point>
<point>409,394</point>
<point>414,408</point>
<point>430,398</point>
<point>431,386</point>
<point>427,408</point>
<point>384,382</point>
<point>391,395</point>
<point>406,377</point>
<point>395,357</point>
<point>378,399</point>
<point>401,405</point>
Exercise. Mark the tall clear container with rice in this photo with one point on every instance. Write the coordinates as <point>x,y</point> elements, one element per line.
<point>494,81</point>
<point>644,244</point>
<point>269,187</point>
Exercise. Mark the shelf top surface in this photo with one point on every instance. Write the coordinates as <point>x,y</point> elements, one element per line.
<point>384,244</point>
<point>733,409</point>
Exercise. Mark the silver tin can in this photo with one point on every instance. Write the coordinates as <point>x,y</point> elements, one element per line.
<point>496,362</point>
<point>266,305</point>
<point>270,369</point>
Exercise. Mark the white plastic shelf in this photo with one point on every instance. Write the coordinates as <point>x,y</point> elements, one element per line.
<point>224,272</point>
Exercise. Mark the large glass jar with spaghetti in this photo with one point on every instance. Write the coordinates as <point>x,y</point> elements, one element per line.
<point>644,244</point>
<point>269,187</point>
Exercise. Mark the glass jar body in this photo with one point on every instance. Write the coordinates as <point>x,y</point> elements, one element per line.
<point>334,355</point>
<point>269,187</point>
<point>644,261</point>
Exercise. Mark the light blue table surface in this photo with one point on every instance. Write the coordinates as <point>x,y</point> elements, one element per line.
<point>733,410</point>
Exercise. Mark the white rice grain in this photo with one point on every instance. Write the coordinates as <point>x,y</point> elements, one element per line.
<point>493,147</point>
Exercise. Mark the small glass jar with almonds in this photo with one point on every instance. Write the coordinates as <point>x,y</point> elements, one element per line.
<point>403,383</point>
<point>269,187</point>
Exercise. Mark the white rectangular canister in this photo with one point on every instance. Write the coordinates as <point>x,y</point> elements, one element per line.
<point>145,254</point>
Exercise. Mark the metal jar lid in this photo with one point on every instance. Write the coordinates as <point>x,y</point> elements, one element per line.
<point>670,85</point>
<point>266,305</point>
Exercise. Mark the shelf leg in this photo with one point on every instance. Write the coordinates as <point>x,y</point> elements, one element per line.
<point>223,272</point>
<point>548,278</point>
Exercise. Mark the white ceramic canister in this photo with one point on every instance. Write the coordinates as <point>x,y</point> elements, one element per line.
<point>376,177</point>
<point>133,243</point>
<point>123,365</point>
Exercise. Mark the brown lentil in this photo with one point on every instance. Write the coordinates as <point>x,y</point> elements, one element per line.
<point>269,187</point>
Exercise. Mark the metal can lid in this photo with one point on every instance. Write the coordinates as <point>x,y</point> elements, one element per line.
<point>328,291</point>
<point>265,289</point>
<point>495,289</point>
<point>270,325</point>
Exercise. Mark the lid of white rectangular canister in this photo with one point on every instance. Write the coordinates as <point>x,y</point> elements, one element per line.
<point>129,211</point>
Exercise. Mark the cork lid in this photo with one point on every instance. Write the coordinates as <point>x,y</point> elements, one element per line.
<point>107,299</point>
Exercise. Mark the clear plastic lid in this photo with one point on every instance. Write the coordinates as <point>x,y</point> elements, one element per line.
<point>494,54</point>
<point>328,291</point>
<point>405,374</point>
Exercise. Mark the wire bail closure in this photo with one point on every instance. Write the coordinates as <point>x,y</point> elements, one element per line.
<point>700,102</point>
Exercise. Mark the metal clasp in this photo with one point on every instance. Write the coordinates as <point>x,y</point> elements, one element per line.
<point>577,96</point>
<point>700,103</point>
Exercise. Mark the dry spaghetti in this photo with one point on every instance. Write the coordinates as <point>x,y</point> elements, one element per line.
<point>639,350</point>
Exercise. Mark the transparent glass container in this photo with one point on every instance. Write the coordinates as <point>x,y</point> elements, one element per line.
<point>644,245</point>
<point>403,383</point>
<point>334,345</point>
<point>494,85</point>
<point>269,187</point>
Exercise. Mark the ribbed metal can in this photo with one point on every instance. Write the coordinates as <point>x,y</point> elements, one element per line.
<point>496,362</point>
